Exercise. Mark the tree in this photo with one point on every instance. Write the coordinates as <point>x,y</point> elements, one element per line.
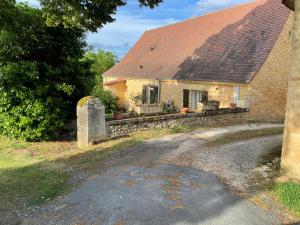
<point>290,160</point>
<point>42,75</point>
<point>103,61</point>
<point>87,14</point>
<point>7,10</point>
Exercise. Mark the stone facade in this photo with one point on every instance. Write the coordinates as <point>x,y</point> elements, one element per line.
<point>220,117</point>
<point>269,87</point>
<point>134,87</point>
<point>219,91</point>
<point>118,89</point>
<point>173,90</point>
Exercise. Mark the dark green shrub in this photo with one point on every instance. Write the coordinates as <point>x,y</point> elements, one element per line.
<point>42,75</point>
<point>110,101</point>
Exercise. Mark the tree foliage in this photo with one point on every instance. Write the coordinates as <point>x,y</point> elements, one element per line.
<point>7,11</point>
<point>87,14</point>
<point>90,14</point>
<point>42,75</point>
<point>103,61</point>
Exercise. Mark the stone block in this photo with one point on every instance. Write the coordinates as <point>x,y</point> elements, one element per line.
<point>91,125</point>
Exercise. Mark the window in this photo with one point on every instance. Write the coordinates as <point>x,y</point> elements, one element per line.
<point>150,94</point>
<point>186,98</point>
<point>236,95</point>
<point>198,97</point>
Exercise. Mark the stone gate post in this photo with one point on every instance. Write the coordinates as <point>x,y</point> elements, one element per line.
<point>90,121</point>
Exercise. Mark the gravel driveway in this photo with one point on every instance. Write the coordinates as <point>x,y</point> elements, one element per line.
<point>171,180</point>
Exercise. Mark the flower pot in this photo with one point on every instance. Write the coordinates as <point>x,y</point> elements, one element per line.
<point>232,106</point>
<point>118,116</point>
<point>184,110</point>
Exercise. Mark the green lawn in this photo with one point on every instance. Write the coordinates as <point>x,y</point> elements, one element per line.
<point>32,173</point>
<point>244,135</point>
<point>289,194</point>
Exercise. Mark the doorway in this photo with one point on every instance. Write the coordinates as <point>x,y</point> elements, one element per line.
<point>186,98</point>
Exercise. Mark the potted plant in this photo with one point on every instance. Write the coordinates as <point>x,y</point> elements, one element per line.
<point>169,107</point>
<point>117,113</point>
<point>184,110</point>
<point>232,106</point>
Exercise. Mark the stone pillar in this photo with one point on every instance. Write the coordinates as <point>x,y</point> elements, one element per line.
<point>290,159</point>
<point>90,121</point>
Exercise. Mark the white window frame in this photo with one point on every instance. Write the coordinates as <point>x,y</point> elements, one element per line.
<point>236,94</point>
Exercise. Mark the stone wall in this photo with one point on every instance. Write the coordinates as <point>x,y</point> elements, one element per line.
<point>269,87</point>
<point>220,117</point>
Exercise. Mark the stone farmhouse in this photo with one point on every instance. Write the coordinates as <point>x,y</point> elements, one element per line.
<point>239,55</point>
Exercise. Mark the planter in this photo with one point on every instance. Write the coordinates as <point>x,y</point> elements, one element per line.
<point>233,106</point>
<point>184,110</point>
<point>118,115</point>
<point>212,105</point>
<point>150,109</point>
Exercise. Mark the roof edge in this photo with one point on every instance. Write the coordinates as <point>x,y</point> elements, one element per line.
<point>204,15</point>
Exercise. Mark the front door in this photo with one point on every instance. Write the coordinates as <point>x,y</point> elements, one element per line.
<point>186,98</point>
<point>195,99</point>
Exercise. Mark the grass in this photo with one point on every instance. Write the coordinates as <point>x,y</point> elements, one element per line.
<point>244,135</point>
<point>289,194</point>
<point>33,173</point>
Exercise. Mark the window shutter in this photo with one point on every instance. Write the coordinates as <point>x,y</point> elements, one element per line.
<point>153,94</point>
<point>204,96</point>
<point>144,94</point>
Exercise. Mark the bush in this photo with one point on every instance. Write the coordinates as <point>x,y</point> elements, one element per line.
<point>110,101</point>
<point>169,107</point>
<point>101,62</point>
<point>32,120</point>
<point>42,75</point>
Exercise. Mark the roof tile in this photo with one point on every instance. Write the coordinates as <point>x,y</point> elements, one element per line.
<point>230,45</point>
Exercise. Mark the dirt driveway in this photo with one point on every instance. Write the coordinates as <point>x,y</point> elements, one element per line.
<point>174,180</point>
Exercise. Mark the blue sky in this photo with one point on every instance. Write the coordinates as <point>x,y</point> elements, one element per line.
<point>132,21</point>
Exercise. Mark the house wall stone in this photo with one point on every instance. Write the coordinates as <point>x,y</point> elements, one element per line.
<point>173,90</point>
<point>118,89</point>
<point>269,87</point>
<point>134,87</point>
<point>220,91</point>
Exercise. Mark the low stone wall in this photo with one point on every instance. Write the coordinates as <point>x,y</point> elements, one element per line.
<point>209,118</point>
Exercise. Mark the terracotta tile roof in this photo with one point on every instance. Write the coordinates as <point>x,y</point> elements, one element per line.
<point>230,46</point>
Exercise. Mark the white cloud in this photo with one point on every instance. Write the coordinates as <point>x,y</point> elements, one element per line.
<point>124,32</point>
<point>206,6</point>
